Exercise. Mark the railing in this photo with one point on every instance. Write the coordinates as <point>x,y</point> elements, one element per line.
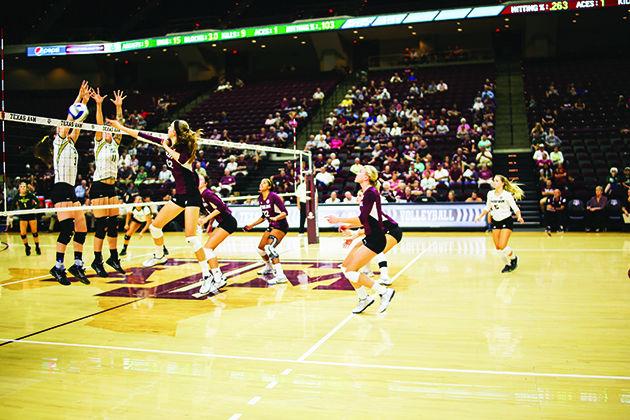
<point>385,61</point>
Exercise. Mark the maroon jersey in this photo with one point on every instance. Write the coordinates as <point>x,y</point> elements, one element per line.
<point>212,202</point>
<point>371,215</point>
<point>186,180</point>
<point>272,207</point>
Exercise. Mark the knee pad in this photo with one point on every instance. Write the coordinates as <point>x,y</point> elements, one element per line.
<point>23,236</point>
<point>112,226</point>
<point>273,241</point>
<point>66,229</point>
<point>127,237</point>
<point>210,254</point>
<point>79,237</point>
<point>156,233</point>
<point>100,225</point>
<point>194,242</point>
<point>35,234</point>
<point>353,276</point>
<point>381,259</point>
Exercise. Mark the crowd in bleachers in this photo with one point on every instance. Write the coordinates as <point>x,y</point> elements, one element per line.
<point>430,134</point>
<point>580,120</point>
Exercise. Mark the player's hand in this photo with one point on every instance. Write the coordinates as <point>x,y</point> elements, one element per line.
<point>118,98</point>
<point>520,220</point>
<point>96,95</point>
<point>247,228</point>
<point>332,219</point>
<point>347,242</point>
<point>113,123</point>
<point>126,227</point>
<point>141,235</point>
<point>478,218</point>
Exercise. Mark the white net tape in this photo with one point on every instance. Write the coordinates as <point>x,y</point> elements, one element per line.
<point>53,122</point>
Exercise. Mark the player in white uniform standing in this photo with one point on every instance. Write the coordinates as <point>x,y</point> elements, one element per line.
<point>500,204</point>
<point>137,217</point>
<point>65,161</point>
<point>102,191</point>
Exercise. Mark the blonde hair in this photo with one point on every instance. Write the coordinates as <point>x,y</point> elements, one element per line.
<point>186,138</point>
<point>512,187</point>
<point>372,174</point>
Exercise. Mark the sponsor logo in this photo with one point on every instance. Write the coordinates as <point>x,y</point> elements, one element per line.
<point>46,51</point>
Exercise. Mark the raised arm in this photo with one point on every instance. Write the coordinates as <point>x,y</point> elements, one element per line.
<point>129,131</point>
<point>63,131</point>
<point>74,134</point>
<point>118,101</point>
<point>98,99</point>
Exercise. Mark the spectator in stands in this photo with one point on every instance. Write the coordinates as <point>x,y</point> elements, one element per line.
<point>271,120</point>
<point>478,105</point>
<point>356,166</point>
<point>141,176</point>
<point>318,95</point>
<point>281,181</point>
<point>555,209</point>
<point>552,91</point>
<point>484,157</point>
<point>442,128</point>
<point>396,131</point>
<point>348,198</point>
<point>223,86</point>
<point>395,78</point>
<point>561,178</point>
<point>541,157</point>
<point>320,137</point>
<point>485,142</point>
<point>451,197</point>
<point>596,214</point>
<point>80,191</point>
<point>551,140</point>
<point>131,192</point>
<point>414,91</point>
<point>333,199</point>
<point>556,156</point>
<point>441,175</point>
<point>485,175</point>
<point>487,93</point>
<point>579,105</point>
<point>239,83</point>
<point>226,184</point>
<point>626,178</point>
<point>166,175</point>
<point>335,162</point>
<point>427,197</point>
<point>462,129</point>
<point>546,192</point>
<point>471,175</point>
<point>613,186</point>
<point>537,134</point>
<point>324,178</point>
<point>544,174</point>
<point>442,86</point>
<point>387,193</point>
<point>474,198</point>
<point>310,143</point>
<point>428,182</point>
<point>548,119</point>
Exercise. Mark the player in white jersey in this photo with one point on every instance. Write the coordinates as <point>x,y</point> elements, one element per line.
<point>65,161</point>
<point>137,217</point>
<point>102,191</point>
<point>500,204</point>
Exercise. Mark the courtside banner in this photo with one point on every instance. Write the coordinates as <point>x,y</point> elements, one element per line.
<point>457,215</point>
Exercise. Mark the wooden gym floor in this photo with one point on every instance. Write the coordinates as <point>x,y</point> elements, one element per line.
<point>460,339</point>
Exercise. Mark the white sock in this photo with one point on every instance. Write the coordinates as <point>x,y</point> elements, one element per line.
<point>205,270</point>
<point>159,251</point>
<point>379,288</point>
<point>278,270</point>
<point>362,292</point>
<point>508,251</point>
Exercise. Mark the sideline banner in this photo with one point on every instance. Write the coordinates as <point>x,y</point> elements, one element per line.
<point>439,215</point>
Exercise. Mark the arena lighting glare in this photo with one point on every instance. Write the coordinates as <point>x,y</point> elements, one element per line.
<point>315,25</point>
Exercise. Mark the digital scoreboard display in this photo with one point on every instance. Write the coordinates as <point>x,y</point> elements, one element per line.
<point>559,6</point>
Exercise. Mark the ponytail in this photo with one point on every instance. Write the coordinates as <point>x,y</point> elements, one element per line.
<point>513,188</point>
<point>186,138</point>
<point>372,174</point>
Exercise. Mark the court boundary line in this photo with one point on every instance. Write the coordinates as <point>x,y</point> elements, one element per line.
<point>324,362</point>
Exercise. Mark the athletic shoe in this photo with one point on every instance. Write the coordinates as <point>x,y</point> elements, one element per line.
<point>548,231</point>
<point>38,251</point>
<point>98,267</point>
<point>514,263</point>
<point>277,280</point>
<point>60,275</point>
<point>27,249</point>
<point>363,305</point>
<point>123,252</point>
<point>115,264</point>
<point>271,252</point>
<point>222,282</point>
<point>561,229</point>
<point>507,268</point>
<point>207,286</point>
<point>267,271</point>
<point>386,299</point>
<point>79,273</point>
<point>385,281</point>
<point>367,272</point>
<point>155,260</point>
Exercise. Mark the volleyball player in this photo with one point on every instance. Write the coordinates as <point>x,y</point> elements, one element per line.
<point>138,216</point>
<point>180,147</point>
<point>393,236</point>
<point>227,225</point>
<point>374,243</point>
<point>102,191</point>
<point>26,200</point>
<point>65,161</point>
<point>275,213</point>
<point>500,204</point>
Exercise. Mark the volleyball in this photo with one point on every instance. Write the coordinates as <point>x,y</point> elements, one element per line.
<point>78,111</point>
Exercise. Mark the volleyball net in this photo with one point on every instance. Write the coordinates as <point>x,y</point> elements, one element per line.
<point>34,135</point>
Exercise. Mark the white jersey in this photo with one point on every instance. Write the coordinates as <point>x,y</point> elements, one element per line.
<point>66,159</point>
<point>105,159</point>
<point>140,214</point>
<point>501,206</point>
